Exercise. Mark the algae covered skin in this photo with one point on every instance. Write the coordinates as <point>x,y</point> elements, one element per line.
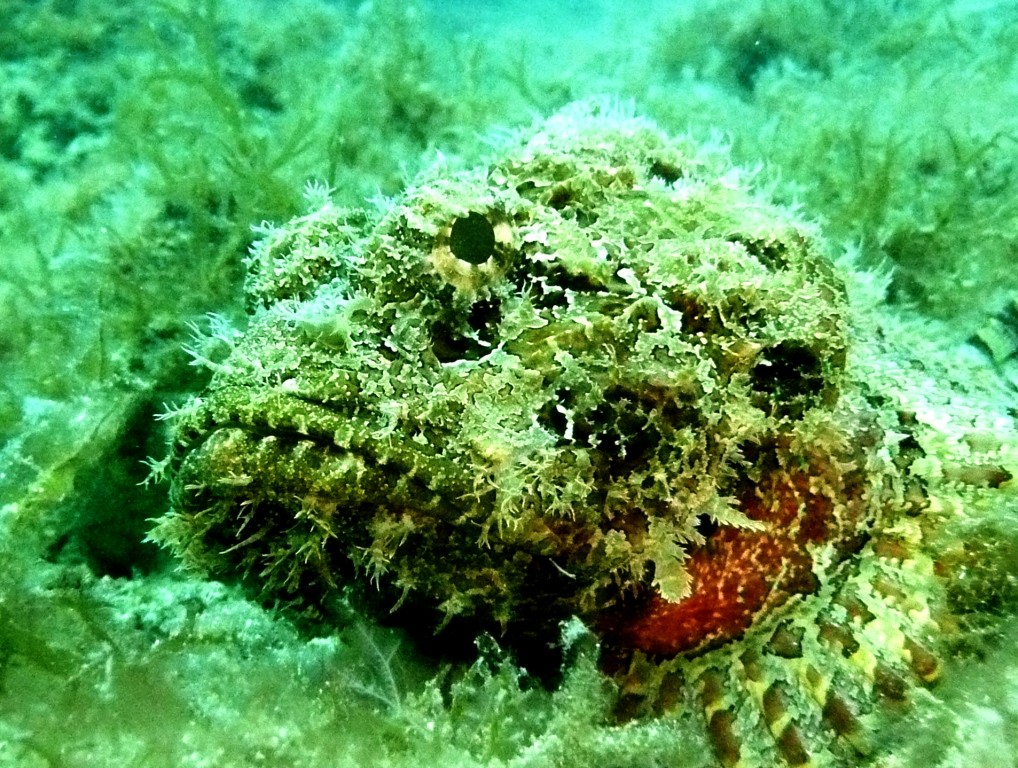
<point>597,377</point>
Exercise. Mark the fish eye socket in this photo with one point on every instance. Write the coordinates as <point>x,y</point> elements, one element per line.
<point>474,250</point>
<point>472,238</point>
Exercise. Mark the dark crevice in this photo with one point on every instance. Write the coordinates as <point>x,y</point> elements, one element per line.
<point>666,171</point>
<point>791,377</point>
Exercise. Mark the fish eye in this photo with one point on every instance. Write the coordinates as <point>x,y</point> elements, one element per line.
<point>472,238</point>
<point>474,250</point>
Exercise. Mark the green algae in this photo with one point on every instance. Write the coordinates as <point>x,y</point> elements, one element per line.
<point>112,246</point>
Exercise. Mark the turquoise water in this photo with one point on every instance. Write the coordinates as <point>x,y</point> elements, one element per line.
<point>142,148</point>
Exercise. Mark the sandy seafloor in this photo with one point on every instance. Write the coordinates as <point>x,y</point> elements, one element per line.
<point>141,142</point>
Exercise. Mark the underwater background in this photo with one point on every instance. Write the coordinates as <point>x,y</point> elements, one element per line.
<point>141,144</point>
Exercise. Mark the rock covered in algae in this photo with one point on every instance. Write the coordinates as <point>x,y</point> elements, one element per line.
<point>602,377</point>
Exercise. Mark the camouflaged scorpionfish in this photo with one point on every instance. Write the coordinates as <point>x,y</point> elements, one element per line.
<point>601,378</point>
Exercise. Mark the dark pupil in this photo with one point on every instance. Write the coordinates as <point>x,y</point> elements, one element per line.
<point>472,239</point>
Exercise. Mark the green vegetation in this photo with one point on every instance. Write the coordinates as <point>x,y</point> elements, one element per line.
<point>140,143</point>
<point>860,117</point>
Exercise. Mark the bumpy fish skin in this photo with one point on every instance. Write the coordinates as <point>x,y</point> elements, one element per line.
<point>602,377</point>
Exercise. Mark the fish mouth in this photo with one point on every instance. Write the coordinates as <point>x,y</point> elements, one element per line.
<point>298,498</point>
<point>286,442</point>
<point>282,488</point>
